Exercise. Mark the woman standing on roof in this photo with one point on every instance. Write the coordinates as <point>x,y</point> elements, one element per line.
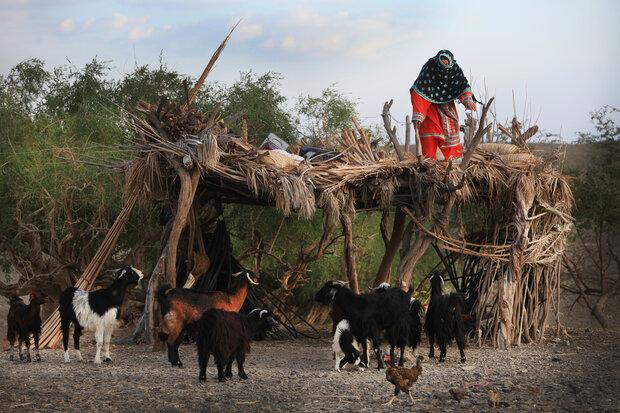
<point>440,82</point>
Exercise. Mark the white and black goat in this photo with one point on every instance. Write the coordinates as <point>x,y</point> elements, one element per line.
<point>444,319</point>
<point>369,314</point>
<point>346,349</point>
<point>95,310</point>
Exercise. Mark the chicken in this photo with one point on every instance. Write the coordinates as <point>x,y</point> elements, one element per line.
<point>403,378</point>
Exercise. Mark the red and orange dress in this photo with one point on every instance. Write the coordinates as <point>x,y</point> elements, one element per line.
<point>432,96</point>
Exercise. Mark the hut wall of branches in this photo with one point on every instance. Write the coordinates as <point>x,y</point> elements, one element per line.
<point>510,263</point>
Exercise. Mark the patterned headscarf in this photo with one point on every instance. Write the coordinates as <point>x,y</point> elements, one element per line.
<point>439,82</point>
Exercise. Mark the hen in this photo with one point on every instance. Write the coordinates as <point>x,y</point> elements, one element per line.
<point>403,378</point>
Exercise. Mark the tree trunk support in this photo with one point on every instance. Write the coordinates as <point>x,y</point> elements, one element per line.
<point>398,230</point>
<point>349,253</point>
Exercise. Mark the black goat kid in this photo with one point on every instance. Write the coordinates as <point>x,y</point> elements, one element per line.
<point>444,319</point>
<point>227,336</point>
<point>24,320</point>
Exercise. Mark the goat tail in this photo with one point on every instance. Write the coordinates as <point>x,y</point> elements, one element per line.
<point>456,302</point>
<point>162,299</point>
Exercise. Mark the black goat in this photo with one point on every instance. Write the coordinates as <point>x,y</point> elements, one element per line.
<point>227,336</point>
<point>96,310</point>
<point>415,324</point>
<point>369,314</point>
<point>24,320</point>
<point>399,334</point>
<point>444,319</point>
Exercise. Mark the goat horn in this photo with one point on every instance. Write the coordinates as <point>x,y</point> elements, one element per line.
<point>247,274</point>
<point>235,274</point>
<point>380,286</point>
<point>137,271</point>
<point>340,282</point>
<point>260,315</point>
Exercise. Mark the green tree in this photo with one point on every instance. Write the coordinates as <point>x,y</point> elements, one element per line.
<point>262,104</point>
<point>595,262</point>
<point>325,116</point>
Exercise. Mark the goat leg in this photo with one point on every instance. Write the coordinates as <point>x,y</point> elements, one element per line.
<point>220,371</point>
<point>203,360</point>
<point>36,346</point>
<point>461,345</point>
<point>12,344</point>
<point>392,353</point>
<point>107,336</point>
<point>27,341</point>
<point>401,360</point>
<point>377,351</point>
<point>364,362</point>
<point>177,357</point>
<point>431,344</point>
<point>442,351</point>
<point>65,338</point>
<point>229,368</point>
<point>240,361</point>
<point>99,340</point>
<point>20,341</point>
<point>77,332</point>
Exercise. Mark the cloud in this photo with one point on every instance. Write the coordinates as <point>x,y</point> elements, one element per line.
<point>67,26</point>
<point>335,33</point>
<point>249,31</point>
<point>288,43</point>
<point>138,33</point>
<point>246,29</point>
<point>88,23</point>
<point>121,21</point>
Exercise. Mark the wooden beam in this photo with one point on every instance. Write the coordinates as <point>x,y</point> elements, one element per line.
<point>349,255</point>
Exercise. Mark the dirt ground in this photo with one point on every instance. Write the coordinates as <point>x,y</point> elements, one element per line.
<point>578,374</point>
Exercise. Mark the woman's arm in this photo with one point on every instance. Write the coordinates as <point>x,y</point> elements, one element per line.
<point>420,107</point>
<point>467,99</point>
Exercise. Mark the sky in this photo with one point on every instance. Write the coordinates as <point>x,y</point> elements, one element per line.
<point>552,62</point>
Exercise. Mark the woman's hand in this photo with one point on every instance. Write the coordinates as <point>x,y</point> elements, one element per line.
<point>470,105</point>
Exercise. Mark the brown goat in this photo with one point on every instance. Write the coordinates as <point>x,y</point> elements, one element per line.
<point>181,307</point>
<point>23,320</point>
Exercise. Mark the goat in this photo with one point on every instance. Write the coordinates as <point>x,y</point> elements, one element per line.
<point>368,314</point>
<point>444,319</point>
<point>400,332</point>
<point>345,347</point>
<point>415,324</point>
<point>96,310</point>
<point>182,306</point>
<point>227,336</point>
<point>24,320</point>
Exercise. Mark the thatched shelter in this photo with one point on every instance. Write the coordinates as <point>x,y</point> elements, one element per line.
<point>511,261</point>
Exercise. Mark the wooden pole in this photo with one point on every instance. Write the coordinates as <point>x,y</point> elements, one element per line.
<point>349,253</point>
<point>189,183</point>
<point>407,132</point>
<point>398,230</point>
<point>391,130</point>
